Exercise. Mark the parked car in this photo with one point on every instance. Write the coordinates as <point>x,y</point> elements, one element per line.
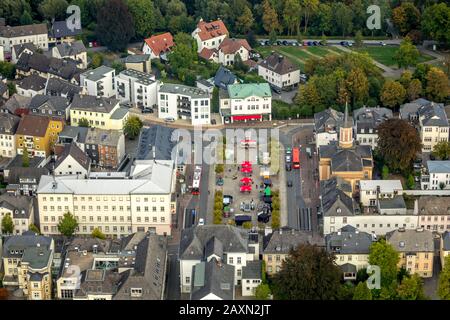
<point>316,43</point>
<point>285,43</point>
<point>263,217</point>
<point>219,181</point>
<point>288,150</point>
<point>147,110</point>
<point>240,219</point>
<point>201,222</point>
<point>289,183</point>
<point>213,121</point>
<point>382,43</point>
<point>310,43</point>
<point>288,159</point>
<point>169,119</point>
<point>308,152</point>
<point>288,167</point>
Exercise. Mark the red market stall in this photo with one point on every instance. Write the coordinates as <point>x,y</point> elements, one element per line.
<point>246,170</point>
<point>246,188</point>
<point>246,181</point>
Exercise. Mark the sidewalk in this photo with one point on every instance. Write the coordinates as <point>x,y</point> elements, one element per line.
<point>282,189</point>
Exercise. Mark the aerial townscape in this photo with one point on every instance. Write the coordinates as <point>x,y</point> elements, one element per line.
<point>331,137</point>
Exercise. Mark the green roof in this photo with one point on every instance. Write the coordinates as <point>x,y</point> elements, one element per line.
<point>199,276</point>
<point>37,257</point>
<point>245,90</point>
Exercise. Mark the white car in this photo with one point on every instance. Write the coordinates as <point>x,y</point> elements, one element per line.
<point>201,222</point>
<point>169,119</point>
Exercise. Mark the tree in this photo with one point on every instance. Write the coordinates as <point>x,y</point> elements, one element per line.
<point>308,96</point>
<point>118,66</point>
<point>96,233</point>
<point>392,94</point>
<point>444,280</point>
<point>262,292</point>
<point>184,54</point>
<point>414,90</point>
<point>406,78</point>
<point>341,14</point>
<point>238,64</point>
<point>7,70</point>
<point>436,22</point>
<point>272,36</point>
<point>143,17</point>
<point>358,85</point>
<point>68,225</point>
<point>407,54</point>
<point>97,60</point>
<point>115,26</point>
<point>25,158</point>
<point>26,18</point>
<point>83,122</point>
<point>291,16</point>
<point>269,17</point>
<point>53,9</point>
<point>7,224</point>
<point>441,150</point>
<point>308,273</point>
<point>133,127</point>
<point>309,7</point>
<point>398,144</point>
<point>34,228</point>
<point>385,172</point>
<point>411,288</point>
<point>245,22</point>
<point>362,292</point>
<point>247,225</point>
<point>358,39</point>
<point>437,88</point>
<point>406,17</point>
<point>384,255</point>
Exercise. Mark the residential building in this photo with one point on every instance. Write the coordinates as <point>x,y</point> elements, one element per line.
<point>138,62</point>
<point>27,261</point>
<point>279,243</point>
<point>20,209</point>
<point>351,249</point>
<point>8,128</point>
<point>100,112</point>
<point>222,244</point>
<point>60,33</point>
<point>251,277</point>
<point>205,85</point>
<point>37,134</point>
<point>158,46</point>
<point>132,268</point>
<point>345,159</point>
<point>62,88</point>
<point>224,77</point>
<point>209,34</point>
<point>327,124</point>
<point>184,102</point>
<point>54,107</point>
<point>370,191</point>
<point>75,51</point>
<point>444,247</point>
<point>31,86</point>
<point>416,250</point>
<point>106,148</point>
<point>246,102</point>
<point>430,119</point>
<point>366,122</point>
<point>24,180</point>
<point>212,280</point>
<point>99,82</point>
<point>74,134</point>
<point>138,88</point>
<point>116,203</point>
<point>340,209</point>
<point>47,67</point>
<point>71,161</point>
<point>34,33</point>
<point>279,71</point>
<point>227,51</point>
<point>16,105</point>
<point>436,176</point>
<point>433,213</point>
<point>4,90</point>
<point>18,49</point>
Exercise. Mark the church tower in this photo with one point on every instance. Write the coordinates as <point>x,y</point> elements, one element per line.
<point>346,132</point>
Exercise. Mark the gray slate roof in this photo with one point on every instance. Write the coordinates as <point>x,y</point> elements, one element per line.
<point>396,202</point>
<point>438,166</point>
<point>278,64</point>
<point>158,137</point>
<point>59,30</point>
<point>224,77</point>
<point>77,133</point>
<point>37,257</point>
<point>33,82</point>
<point>253,270</point>
<point>433,205</point>
<point>433,115</point>
<point>76,153</point>
<point>70,49</point>
<point>411,240</point>
<point>212,277</point>
<point>334,201</point>
<point>93,103</point>
<point>348,240</point>
<point>58,87</point>
<point>21,206</point>
<point>370,118</point>
<point>21,31</point>
<point>22,242</point>
<point>283,240</point>
<point>328,120</point>
<point>446,240</point>
<point>16,102</point>
<point>8,123</point>
<point>53,103</point>
<point>18,48</point>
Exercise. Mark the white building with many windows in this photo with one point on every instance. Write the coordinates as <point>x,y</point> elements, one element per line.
<point>32,33</point>
<point>116,203</point>
<point>138,88</point>
<point>370,191</point>
<point>279,71</point>
<point>99,82</point>
<point>183,102</point>
<point>436,176</point>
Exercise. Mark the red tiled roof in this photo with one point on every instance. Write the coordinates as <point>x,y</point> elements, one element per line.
<point>160,43</point>
<point>213,29</point>
<point>231,46</point>
<point>207,53</point>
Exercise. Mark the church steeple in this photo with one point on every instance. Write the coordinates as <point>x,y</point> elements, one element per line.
<point>346,131</point>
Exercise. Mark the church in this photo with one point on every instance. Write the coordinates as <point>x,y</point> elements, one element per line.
<point>346,159</point>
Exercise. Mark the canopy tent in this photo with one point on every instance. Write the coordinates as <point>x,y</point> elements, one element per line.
<point>246,169</point>
<point>246,180</point>
<point>246,188</point>
<point>246,164</point>
<point>267,192</point>
<point>267,182</point>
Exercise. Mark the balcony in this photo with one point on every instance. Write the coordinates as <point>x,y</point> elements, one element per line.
<point>100,86</point>
<point>139,90</point>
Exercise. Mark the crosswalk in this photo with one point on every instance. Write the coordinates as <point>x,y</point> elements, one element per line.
<point>304,219</point>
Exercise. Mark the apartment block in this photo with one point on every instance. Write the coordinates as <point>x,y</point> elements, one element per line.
<point>32,33</point>
<point>99,82</point>
<point>138,88</point>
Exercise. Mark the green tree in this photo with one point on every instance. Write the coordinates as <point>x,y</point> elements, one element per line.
<point>385,172</point>
<point>118,66</point>
<point>245,22</point>
<point>406,17</point>
<point>34,228</point>
<point>184,54</point>
<point>97,233</point>
<point>444,280</point>
<point>97,60</point>
<point>53,9</point>
<point>143,17</point>
<point>384,255</point>
<point>441,150</point>
<point>68,225</point>
<point>362,292</point>
<point>421,73</point>
<point>411,288</point>
<point>358,39</point>
<point>7,224</point>
<point>436,22</point>
<point>308,273</point>
<point>406,78</point>
<point>341,14</point>
<point>7,70</point>
<point>26,18</point>
<point>115,26</point>
<point>414,90</point>
<point>269,17</point>
<point>309,96</point>
<point>410,184</point>
<point>437,88</point>
<point>272,36</point>
<point>262,292</point>
<point>25,158</point>
<point>238,64</point>
<point>247,225</point>
<point>407,54</point>
<point>309,7</point>
<point>392,94</point>
<point>398,144</point>
<point>133,127</point>
<point>83,122</point>
<point>291,16</point>
<point>358,85</point>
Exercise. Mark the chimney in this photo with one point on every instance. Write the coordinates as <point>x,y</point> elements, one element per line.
<point>281,231</point>
<point>38,245</point>
<point>280,58</point>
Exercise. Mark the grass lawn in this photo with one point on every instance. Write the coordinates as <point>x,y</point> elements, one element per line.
<point>385,55</point>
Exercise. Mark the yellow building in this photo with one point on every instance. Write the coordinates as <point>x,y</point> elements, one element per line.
<point>415,248</point>
<point>37,134</point>
<point>346,159</point>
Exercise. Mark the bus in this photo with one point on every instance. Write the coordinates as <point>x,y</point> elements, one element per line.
<point>296,158</point>
<point>196,180</point>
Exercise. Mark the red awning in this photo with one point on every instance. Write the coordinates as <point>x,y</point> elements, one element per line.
<point>246,188</point>
<point>246,180</point>
<point>247,117</point>
<point>246,170</point>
